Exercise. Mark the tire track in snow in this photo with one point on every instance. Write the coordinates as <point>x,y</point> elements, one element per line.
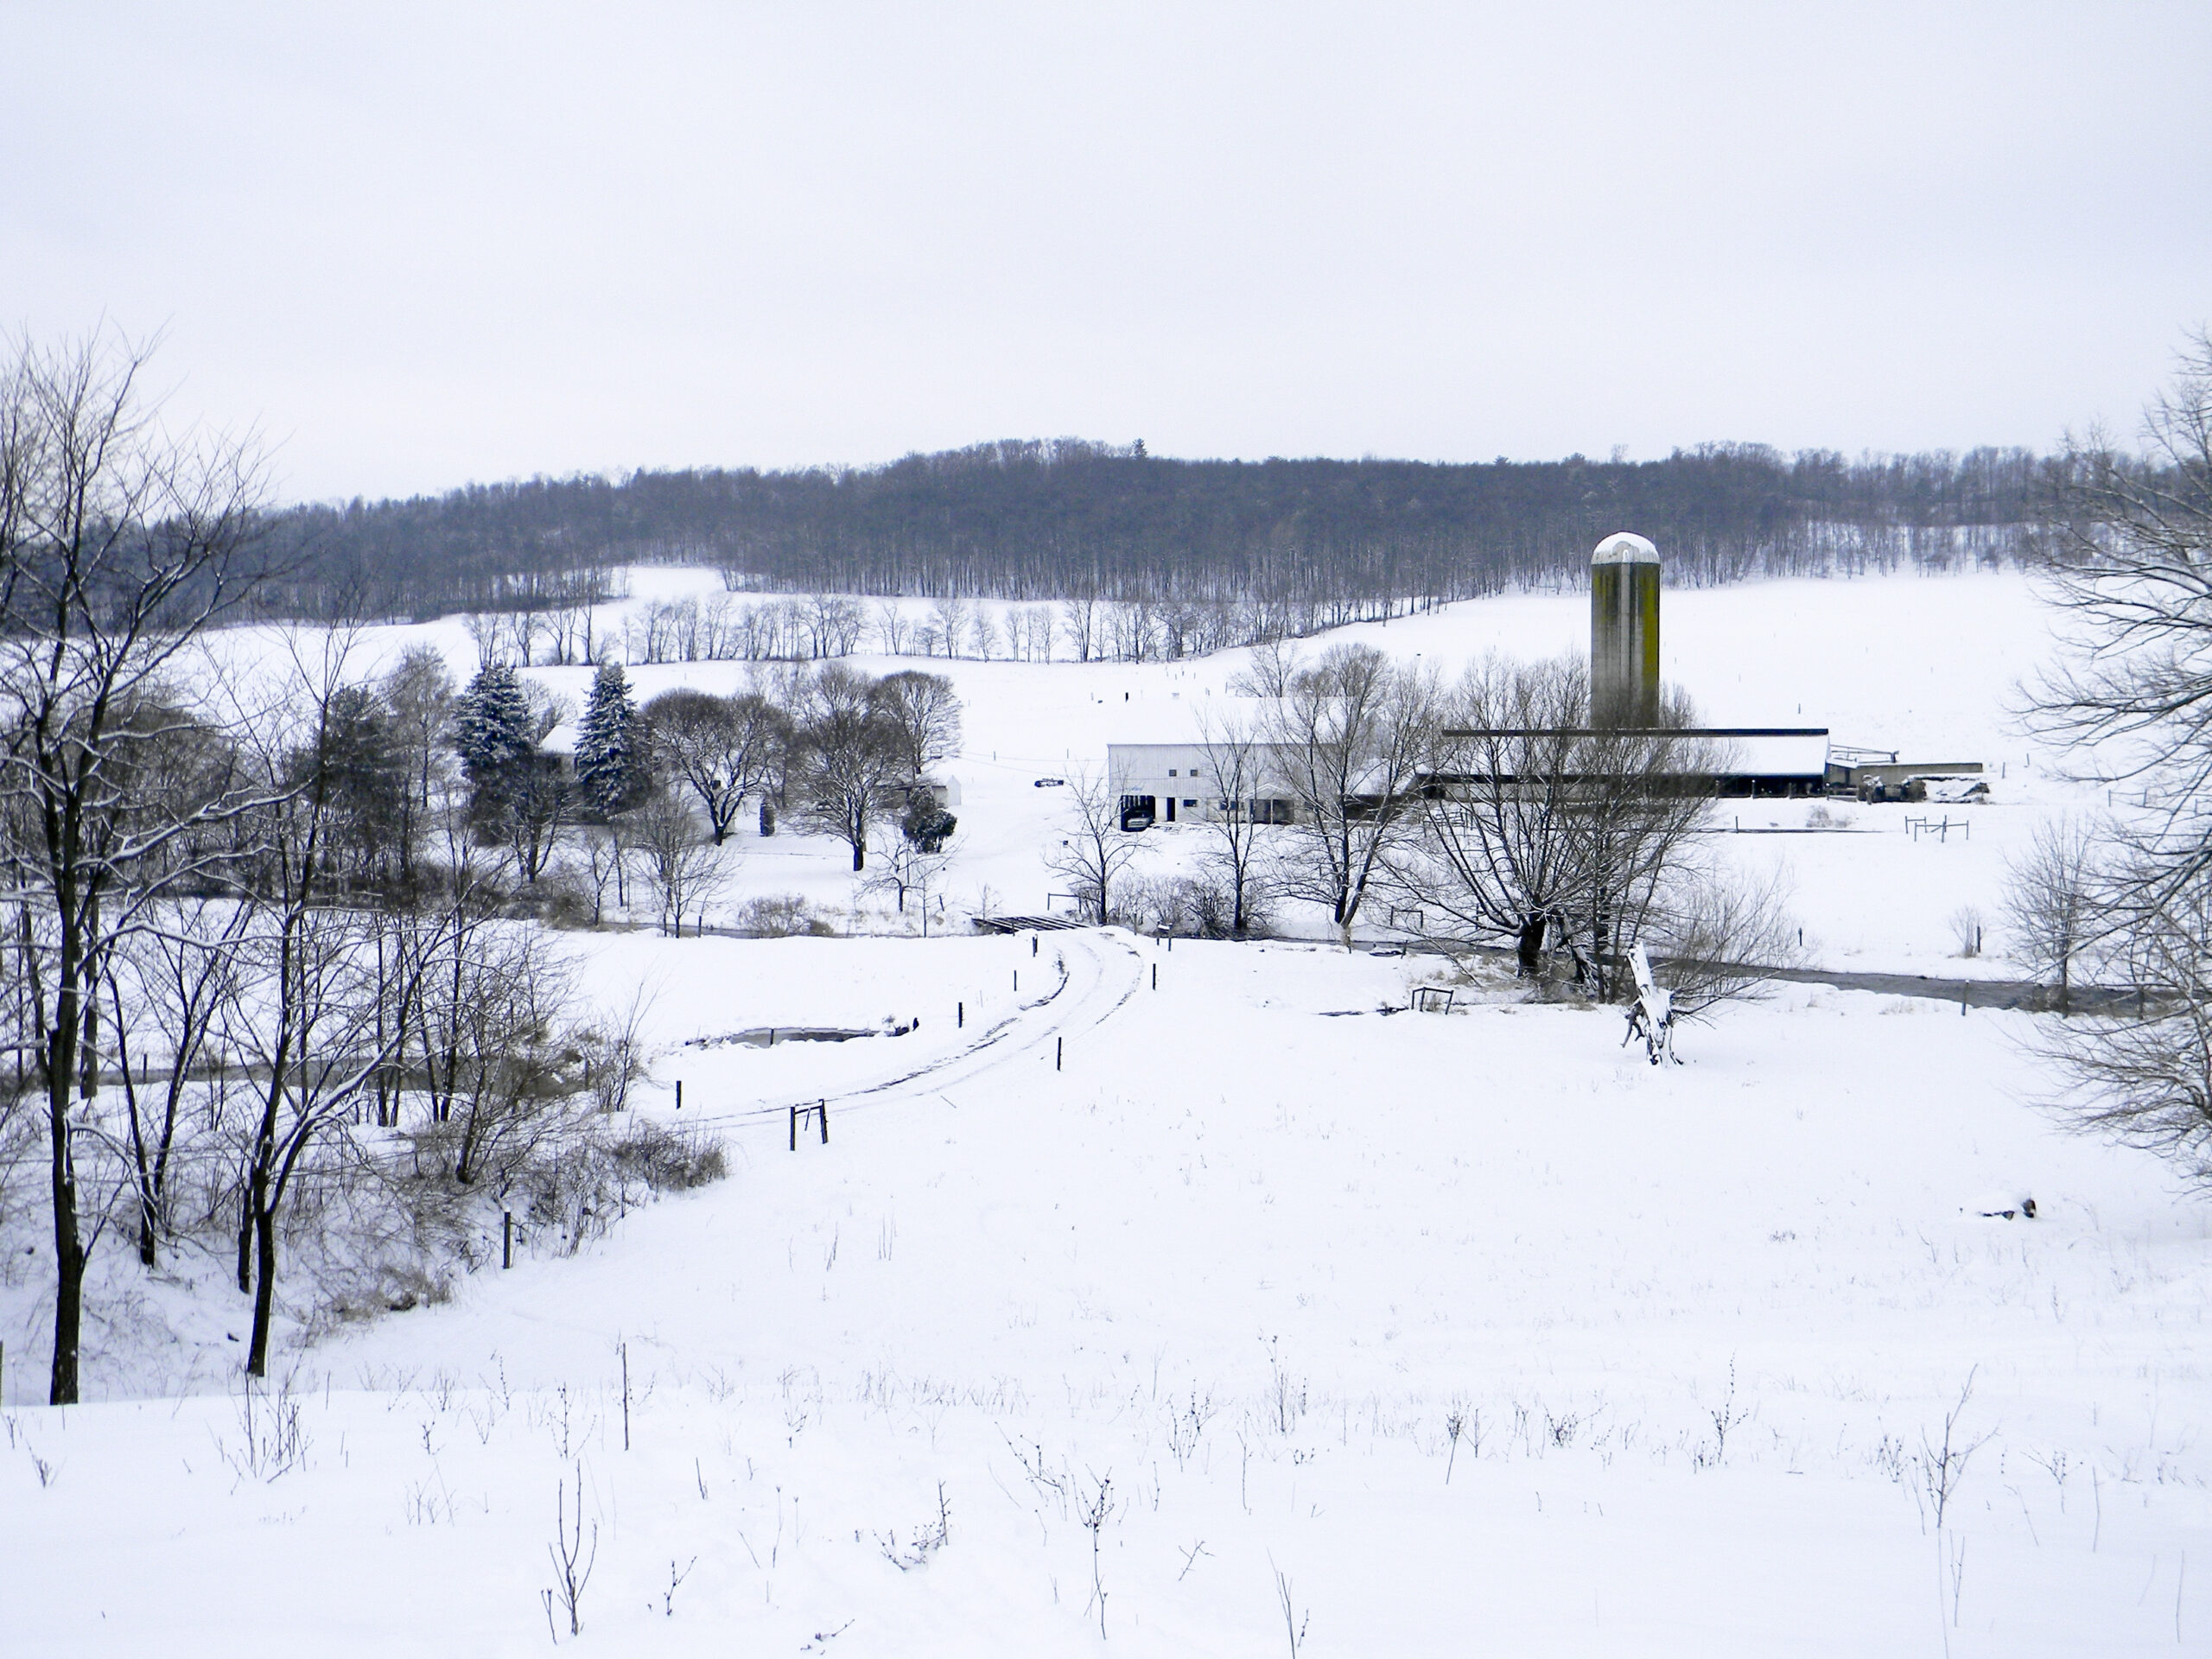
<point>1100,972</point>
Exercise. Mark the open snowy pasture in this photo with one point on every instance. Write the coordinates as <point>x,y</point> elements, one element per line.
<point>1231,1315</point>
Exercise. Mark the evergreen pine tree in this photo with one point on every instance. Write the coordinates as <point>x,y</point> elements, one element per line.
<point>607,769</point>
<point>494,734</point>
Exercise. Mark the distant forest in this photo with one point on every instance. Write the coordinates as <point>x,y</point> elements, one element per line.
<point>1294,545</point>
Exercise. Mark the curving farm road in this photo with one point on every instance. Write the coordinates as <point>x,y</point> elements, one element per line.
<point>1099,970</point>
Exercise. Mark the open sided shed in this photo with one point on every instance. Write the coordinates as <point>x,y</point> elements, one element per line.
<point>1754,760</point>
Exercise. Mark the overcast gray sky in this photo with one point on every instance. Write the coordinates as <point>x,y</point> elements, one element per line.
<point>419,246</point>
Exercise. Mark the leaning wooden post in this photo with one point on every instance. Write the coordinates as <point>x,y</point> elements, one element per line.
<point>1056,1053</point>
<point>823,1112</point>
<point>794,1128</point>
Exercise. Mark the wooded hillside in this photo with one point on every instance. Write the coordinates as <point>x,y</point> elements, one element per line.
<point>1032,520</point>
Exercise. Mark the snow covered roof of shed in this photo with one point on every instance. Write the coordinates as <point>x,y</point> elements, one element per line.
<point>1777,754</point>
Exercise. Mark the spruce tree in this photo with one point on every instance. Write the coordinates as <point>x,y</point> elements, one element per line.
<point>494,735</point>
<point>607,769</point>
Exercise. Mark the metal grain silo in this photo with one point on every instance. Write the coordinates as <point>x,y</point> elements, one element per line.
<point>1624,632</point>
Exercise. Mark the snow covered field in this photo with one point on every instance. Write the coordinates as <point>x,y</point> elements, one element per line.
<point>1124,1316</point>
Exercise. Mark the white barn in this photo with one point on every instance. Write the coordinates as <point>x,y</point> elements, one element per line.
<point>1174,776</point>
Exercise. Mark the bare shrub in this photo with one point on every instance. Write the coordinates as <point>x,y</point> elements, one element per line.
<point>1965,923</point>
<point>601,1173</point>
<point>501,1076</point>
<point>1719,936</point>
<point>782,916</point>
<point>613,1057</point>
<point>572,1561</point>
<point>666,1159</point>
<point>1202,906</point>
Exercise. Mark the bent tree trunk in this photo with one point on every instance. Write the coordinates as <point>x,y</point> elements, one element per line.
<point>1529,947</point>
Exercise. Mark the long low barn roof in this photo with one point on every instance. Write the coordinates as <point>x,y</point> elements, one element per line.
<point>1751,751</point>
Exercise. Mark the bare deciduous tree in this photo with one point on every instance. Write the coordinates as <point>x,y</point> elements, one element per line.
<point>720,749</point>
<point>2127,570</point>
<point>903,868</point>
<point>924,710</point>
<point>851,759</point>
<point>2141,1073</point>
<point>1350,740</point>
<point>1095,852</point>
<point>2051,908</point>
<point>2125,567</point>
<point>1538,829</point>
<point>1236,777</point>
<point>682,867</point>
<point>1497,852</point>
<point>173,973</point>
<point>420,694</point>
<point>948,619</point>
<point>309,1005</point>
<point>119,548</point>
<point>1644,795</point>
<point>505,1097</point>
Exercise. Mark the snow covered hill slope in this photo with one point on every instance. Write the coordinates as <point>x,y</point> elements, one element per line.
<point>1232,1314</point>
<point>1224,1280</point>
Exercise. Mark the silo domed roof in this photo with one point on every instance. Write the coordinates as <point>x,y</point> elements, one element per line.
<point>1623,547</point>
